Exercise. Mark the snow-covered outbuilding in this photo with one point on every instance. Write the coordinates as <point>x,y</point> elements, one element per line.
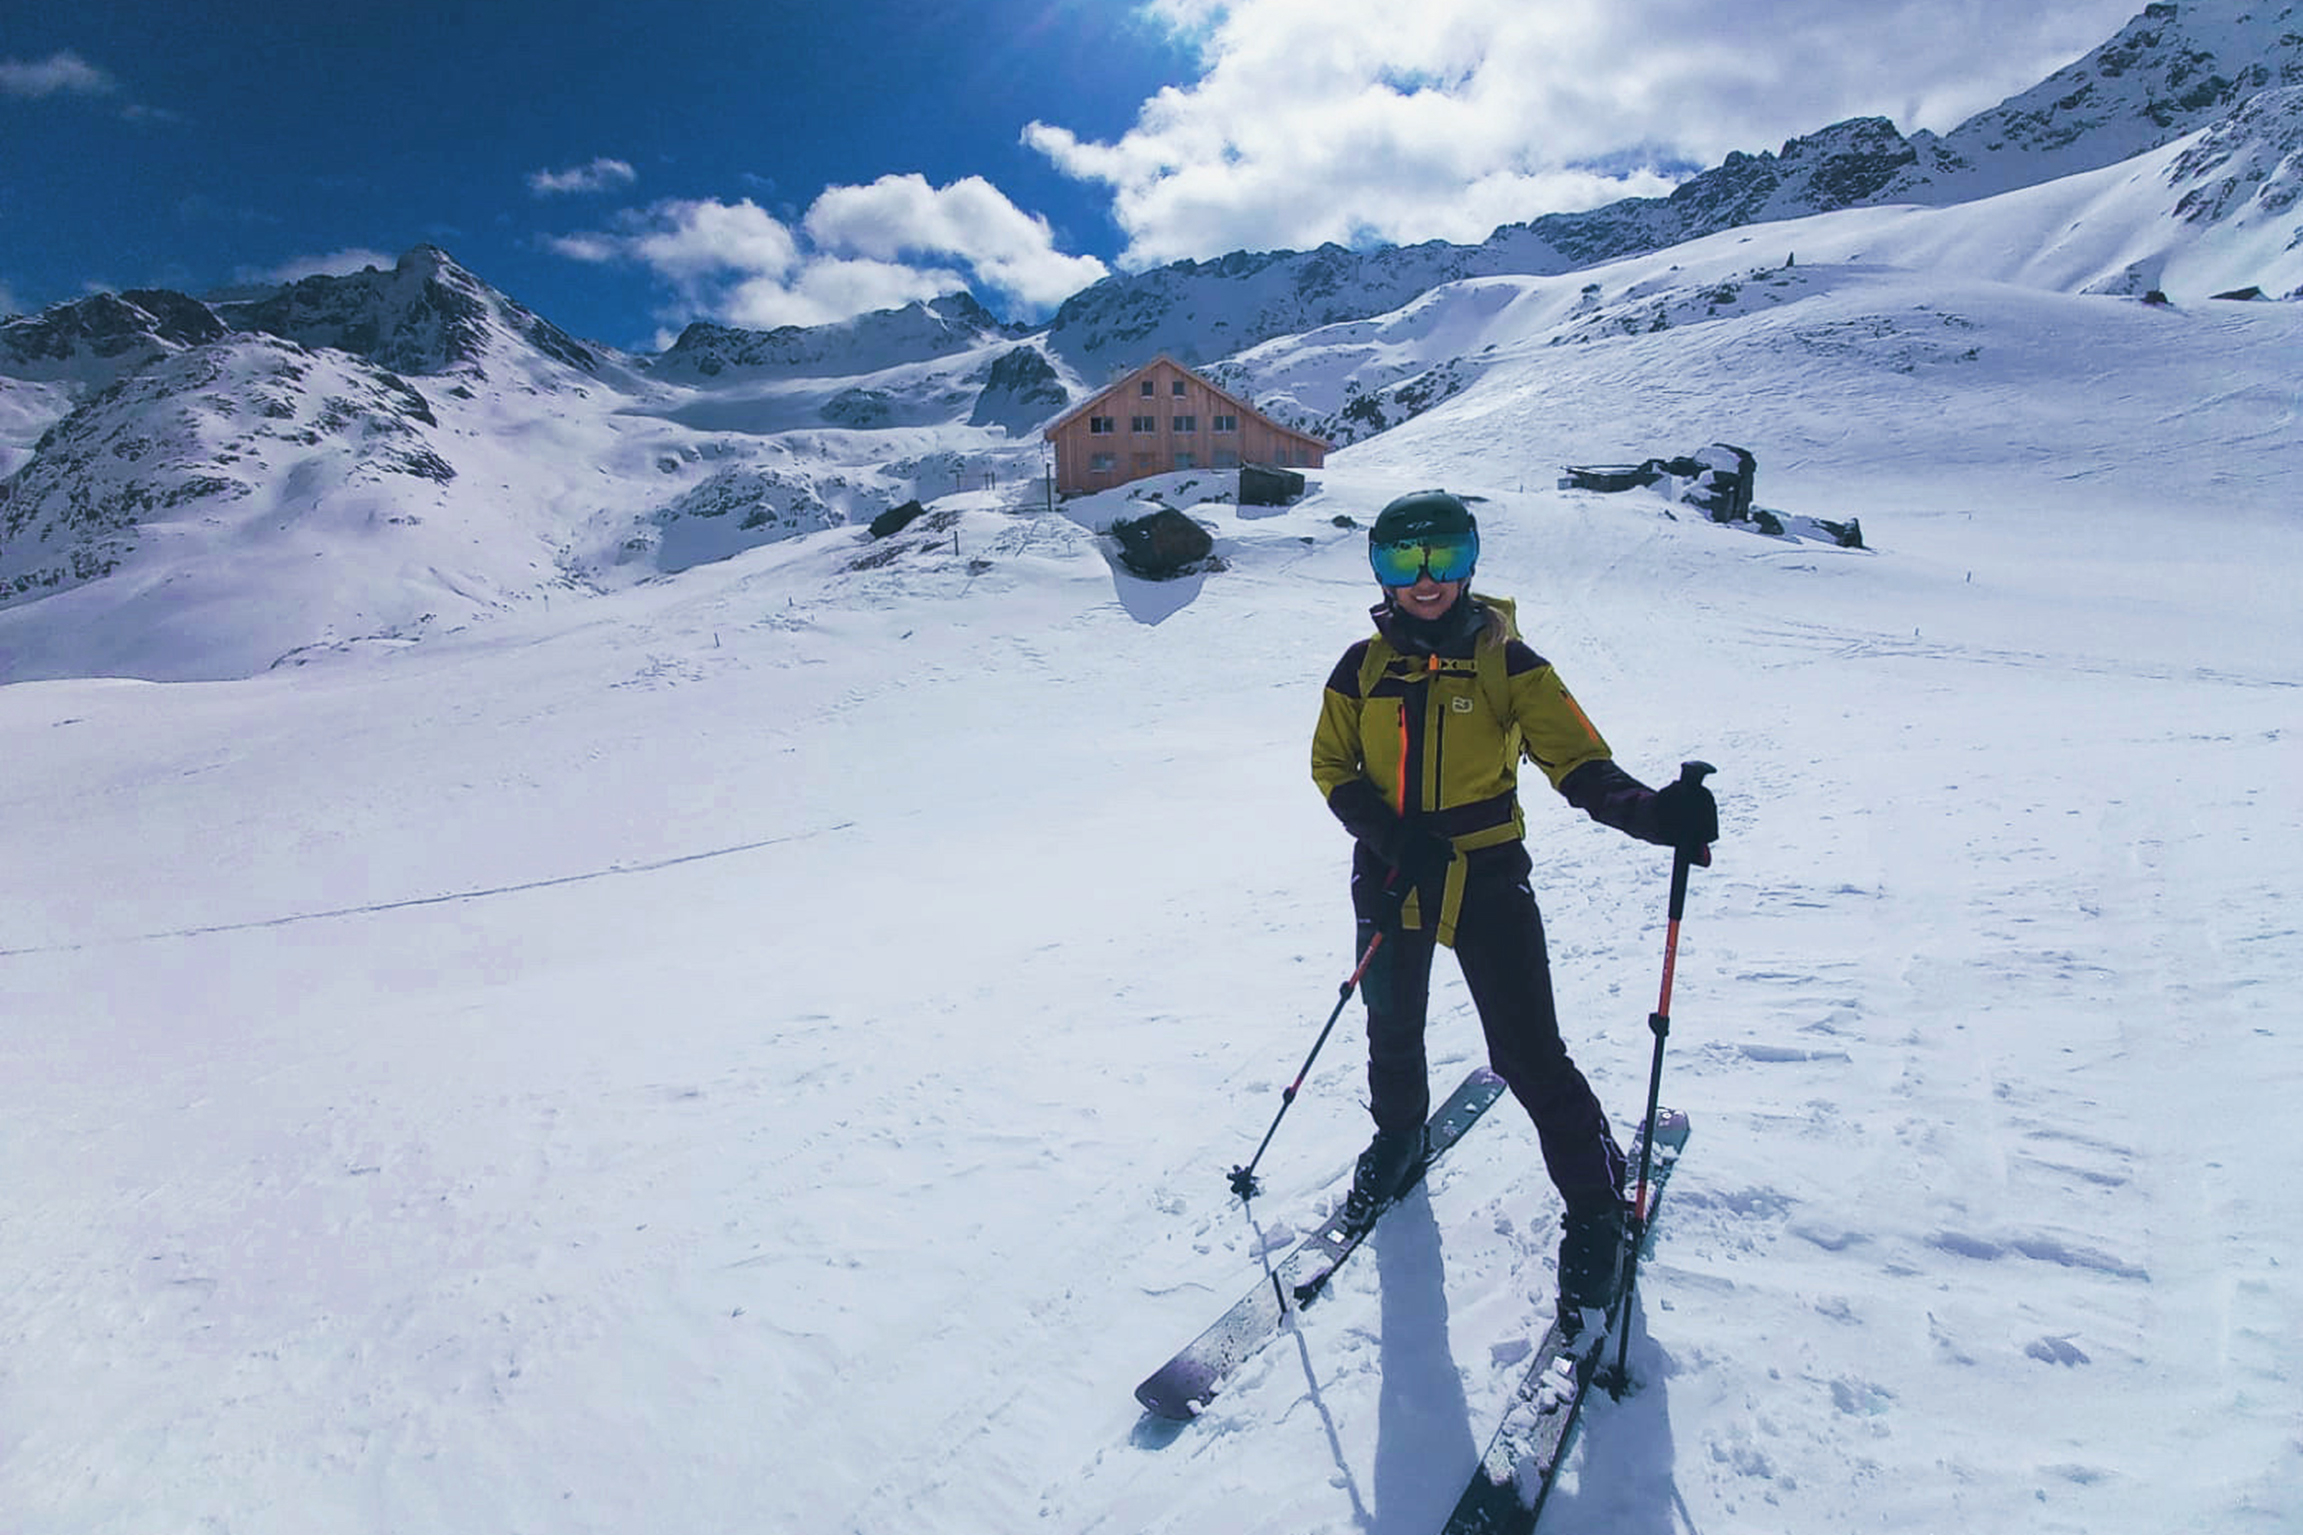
<point>1164,416</point>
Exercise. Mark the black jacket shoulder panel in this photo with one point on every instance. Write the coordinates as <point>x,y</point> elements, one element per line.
<point>1345,678</point>
<point>1519,657</point>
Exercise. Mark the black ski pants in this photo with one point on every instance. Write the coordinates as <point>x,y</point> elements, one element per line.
<point>1499,945</point>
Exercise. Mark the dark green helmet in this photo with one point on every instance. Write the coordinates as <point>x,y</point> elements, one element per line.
<point>1421,515</point>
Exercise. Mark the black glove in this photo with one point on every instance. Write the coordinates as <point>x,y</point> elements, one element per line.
<point>1419,856</point>
<point>1688,818</point>
<point>1418,859</point>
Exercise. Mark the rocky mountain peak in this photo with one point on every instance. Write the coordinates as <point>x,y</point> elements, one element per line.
<point>884,338</point>
<point>2172,69</point>
<point>1837,167</point>
<point>105,335</point>
<point>427,315</point>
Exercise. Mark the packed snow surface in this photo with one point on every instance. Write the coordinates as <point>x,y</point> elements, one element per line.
<point>762,1049</point>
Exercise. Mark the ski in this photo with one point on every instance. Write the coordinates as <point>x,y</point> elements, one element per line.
<point>1506,1492</point>
<point>1188,1382</point>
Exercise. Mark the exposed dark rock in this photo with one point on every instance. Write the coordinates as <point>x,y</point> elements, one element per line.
<point>1365,412</point>
<point>1609,477</point>
<point>895,519</point>
<point>1262,485</point>
<point>1162,545</point>
<point>1024,390</point>
<point>862,408</point>
<point>1719,479</point>
<point>1722,482</point>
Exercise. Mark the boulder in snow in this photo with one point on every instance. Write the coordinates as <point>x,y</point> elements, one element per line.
<point>1162,545</point>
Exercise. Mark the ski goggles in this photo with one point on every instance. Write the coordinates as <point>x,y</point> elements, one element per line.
<point>1447,558</point>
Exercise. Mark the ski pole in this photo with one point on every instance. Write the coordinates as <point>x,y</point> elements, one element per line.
<point>1659,1022</point>
<point>1243,1180</point>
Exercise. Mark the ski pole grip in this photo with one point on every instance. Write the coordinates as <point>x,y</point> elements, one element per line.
<point>1683,859</point>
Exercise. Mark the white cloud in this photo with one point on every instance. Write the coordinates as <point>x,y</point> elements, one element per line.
<point>857,249</point>
<point>8,304</point>
<point>695,244</point>
<point>601,175</point>
<point>832,289</point>
<point>598,249</point>
<point>1346,120</point>
<point>59,74</point>
<point>68,74</point>
<point>971,221</point>
<point>342,263</point>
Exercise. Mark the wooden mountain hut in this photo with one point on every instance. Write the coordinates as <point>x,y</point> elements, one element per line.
<point>1163,417</point>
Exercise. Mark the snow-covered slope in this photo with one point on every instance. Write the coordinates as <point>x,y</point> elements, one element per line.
<point>2176,67</point>
<point>226,431</point>
<point>205,491</point>
<point>2211,214</point>
<point>762,1050</point>
<point>49,359</point>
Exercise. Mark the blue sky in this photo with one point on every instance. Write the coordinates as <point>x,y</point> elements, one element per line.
<point>624,169</point>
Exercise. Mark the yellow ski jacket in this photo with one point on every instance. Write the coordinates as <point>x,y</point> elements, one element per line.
<point>1438,737</point>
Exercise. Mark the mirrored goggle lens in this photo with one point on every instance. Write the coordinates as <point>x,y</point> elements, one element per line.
<point>1448,559</point>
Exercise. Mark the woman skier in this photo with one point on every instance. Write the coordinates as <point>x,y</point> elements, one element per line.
<point>1417,751</point>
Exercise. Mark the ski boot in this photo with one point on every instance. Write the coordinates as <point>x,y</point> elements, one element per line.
<point>1591,1249</point>
<point>1391,1159</point>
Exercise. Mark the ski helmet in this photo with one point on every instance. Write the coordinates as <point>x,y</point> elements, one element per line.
<point>1426,531</point>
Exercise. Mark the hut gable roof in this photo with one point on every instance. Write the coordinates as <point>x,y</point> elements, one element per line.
<point>1104,397</point>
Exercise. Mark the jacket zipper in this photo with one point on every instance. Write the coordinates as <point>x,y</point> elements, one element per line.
<point>1399,790</point>
<point>1435,733</point>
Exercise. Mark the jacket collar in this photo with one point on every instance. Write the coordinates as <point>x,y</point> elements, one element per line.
<point>1452,634</point>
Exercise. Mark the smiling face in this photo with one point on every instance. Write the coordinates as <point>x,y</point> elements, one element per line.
<point>1423,550</point>
<point>1427,599</point>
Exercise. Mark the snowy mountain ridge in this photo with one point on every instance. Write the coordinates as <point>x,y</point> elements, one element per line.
<point>2212,215</point>
<point>2174,68</point>
<point>93,341</point>
<point>116,497</point>
<point>159,432</point>
<point>916,332</point>
<point>2177,66</point>
<point>427,315</point>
